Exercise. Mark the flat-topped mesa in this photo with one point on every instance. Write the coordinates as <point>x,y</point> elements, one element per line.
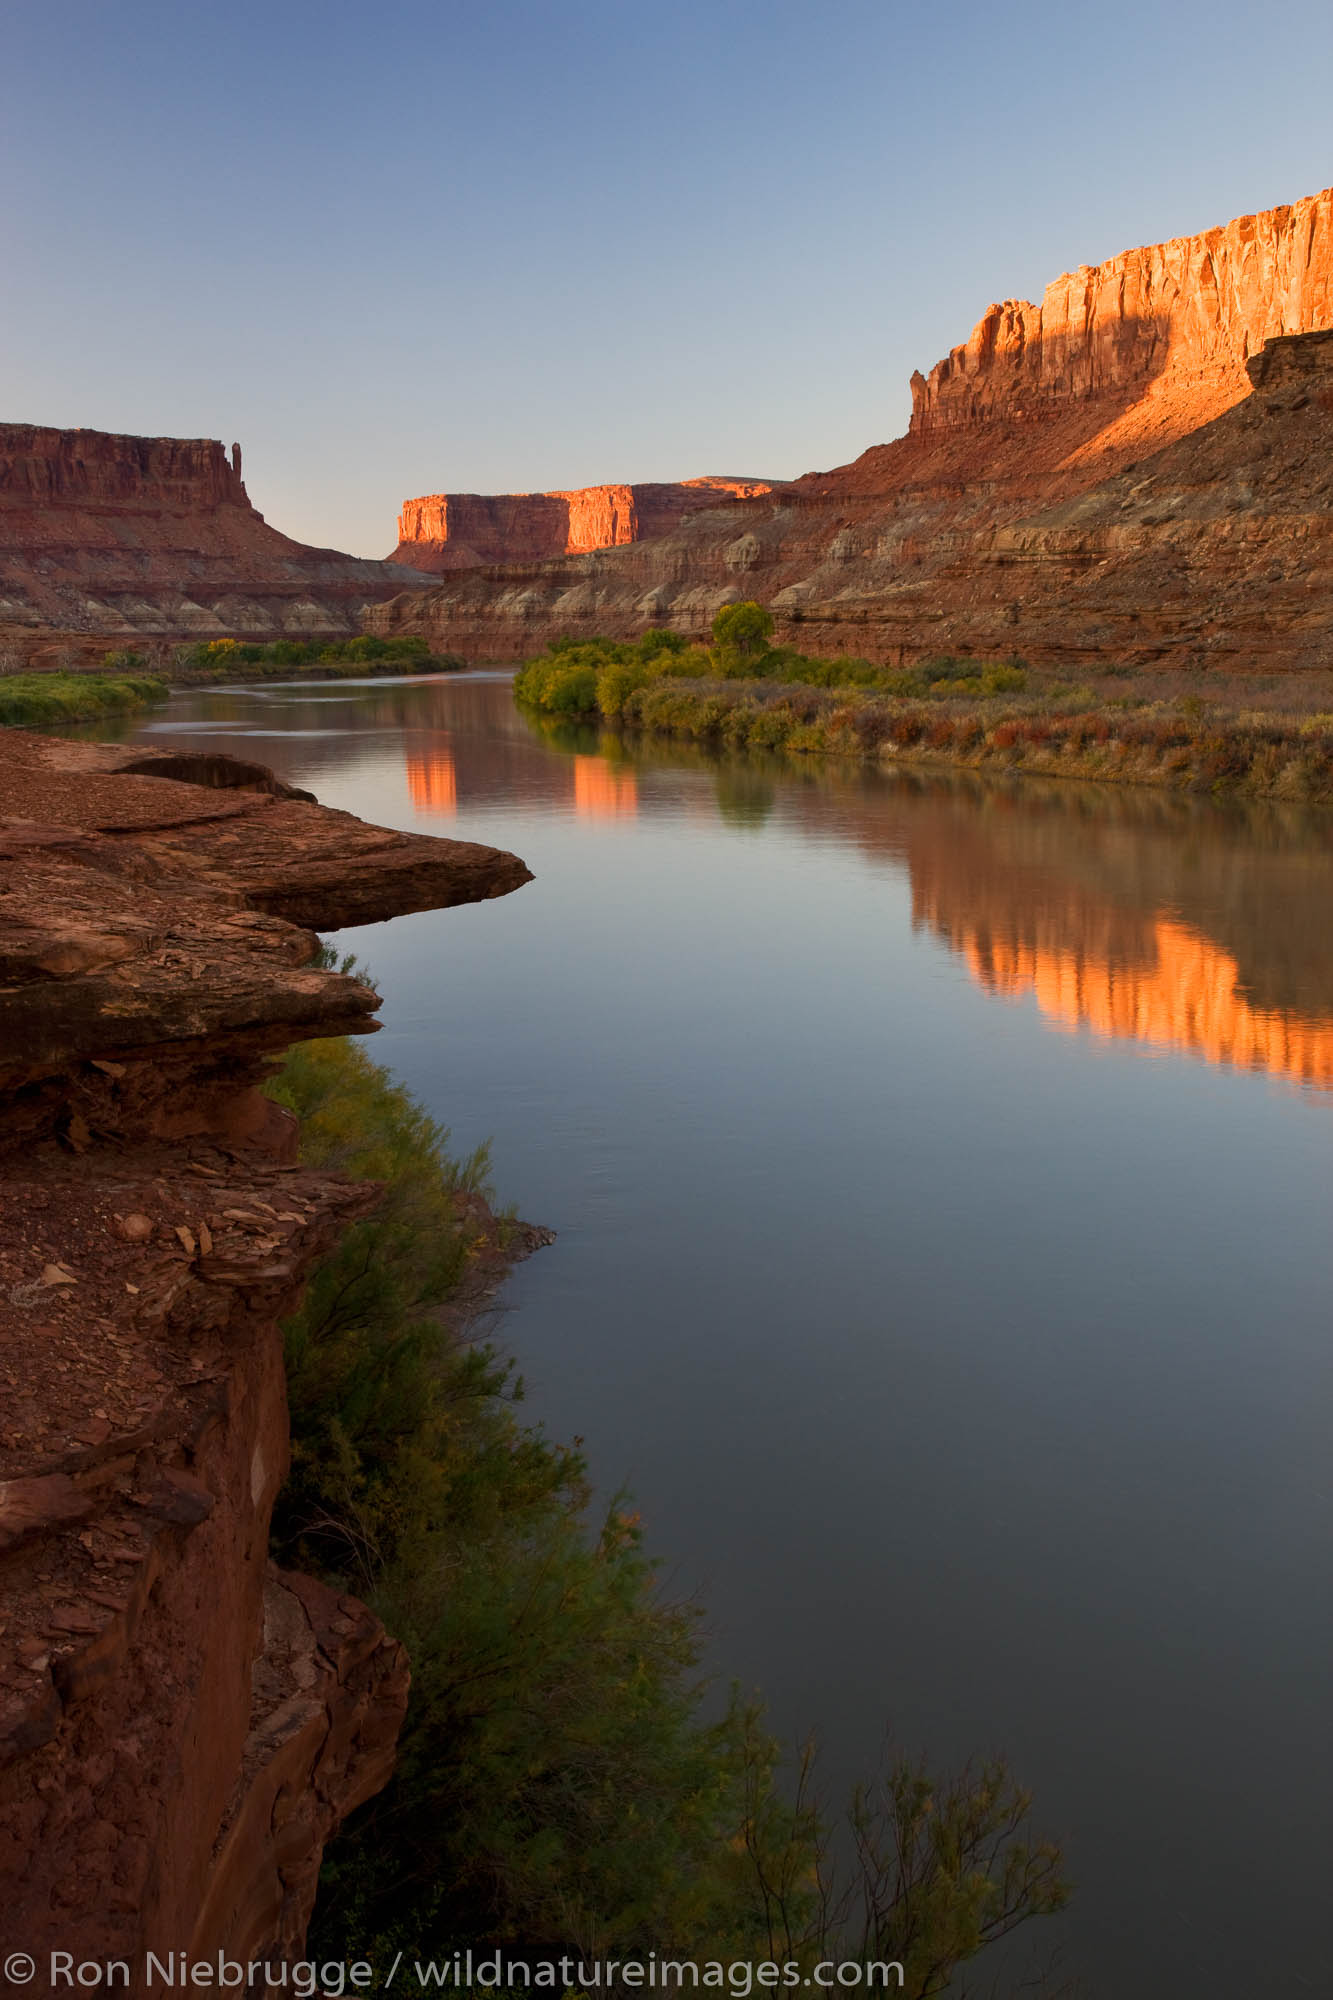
<point>125,537</point>
<point>1186,314</point>
<point>444,531</point>
<point>41,465</point>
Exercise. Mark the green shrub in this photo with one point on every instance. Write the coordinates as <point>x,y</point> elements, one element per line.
<point>564,683</point>
<point>741,633</point>
<point>224,658</point>
<point>617,681</point>
<point>46,701</point>
<point>659,640</point>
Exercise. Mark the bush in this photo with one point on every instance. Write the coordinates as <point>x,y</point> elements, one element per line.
<point>741,633</point>
<point>563,683</point>
<point>225,658</point>
<point>617,681</point>
<point>46,701</point>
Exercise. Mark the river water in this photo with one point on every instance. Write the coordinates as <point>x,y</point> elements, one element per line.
<point>941,1171</point>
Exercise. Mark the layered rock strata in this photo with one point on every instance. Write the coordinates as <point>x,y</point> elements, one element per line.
<point>130,537</point>
<point>446,531</point>
<point>1186,314</point>
<point>1128,396</point>
<point>181,1726</point>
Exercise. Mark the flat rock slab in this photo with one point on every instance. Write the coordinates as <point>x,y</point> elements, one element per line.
<point>141,912</point>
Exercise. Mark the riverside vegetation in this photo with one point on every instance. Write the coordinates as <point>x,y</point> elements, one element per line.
<point>45,701</point>
<point>213,660</point>
<point>562,1783</point>
<point>743,692</point>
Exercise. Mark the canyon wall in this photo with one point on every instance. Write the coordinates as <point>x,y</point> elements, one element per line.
<point>445,531</point>
<point>1188,313</point>
<point>1095,478</point>
<point>182,1725</point>
<point>128,537</point>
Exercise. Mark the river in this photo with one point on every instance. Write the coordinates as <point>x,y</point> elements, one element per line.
<point>941,1175</point>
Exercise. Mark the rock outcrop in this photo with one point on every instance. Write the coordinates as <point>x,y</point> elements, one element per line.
<point>1186,314</point>
<point>181,1725</point>
<point>129,537</point>
<point>445,531</point>
<point>1128,396</point>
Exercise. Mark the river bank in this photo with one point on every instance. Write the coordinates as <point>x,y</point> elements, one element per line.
<point>1267,736</point>
<point>217,661</point>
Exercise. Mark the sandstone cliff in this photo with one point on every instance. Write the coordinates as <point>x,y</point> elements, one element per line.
<point>941,541</point>
<point>445,531</point>
<point>1186,314</point>
<point>181,1725</point>
<point>128,537</point>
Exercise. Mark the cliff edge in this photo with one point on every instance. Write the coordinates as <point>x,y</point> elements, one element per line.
<point>181,1725</point>
<point>446,531</point>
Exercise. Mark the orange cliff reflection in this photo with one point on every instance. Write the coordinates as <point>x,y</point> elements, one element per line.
<point>1190,998</point>
<point>603,793</point>
<point>433,781</point>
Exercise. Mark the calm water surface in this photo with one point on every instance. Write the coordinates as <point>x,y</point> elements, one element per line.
<point>941,1173</point>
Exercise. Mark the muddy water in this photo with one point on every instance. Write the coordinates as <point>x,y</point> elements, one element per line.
<point>942,1174</point>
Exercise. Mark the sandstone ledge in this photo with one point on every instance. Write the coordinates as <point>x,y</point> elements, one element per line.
<point>178,1736</point>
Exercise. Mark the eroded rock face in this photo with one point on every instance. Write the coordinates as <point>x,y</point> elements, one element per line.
<point>446,531</point>
<point>1002,522</point>
<point>128,537</point>
<point>181,1728</point>
<point>1191,311</point>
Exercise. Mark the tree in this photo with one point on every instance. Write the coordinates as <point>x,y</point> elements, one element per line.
<point>741,633</point>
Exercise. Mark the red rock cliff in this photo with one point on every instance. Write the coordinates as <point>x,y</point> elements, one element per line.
<point>1088,479</point>
<point>40,466</point>
<point>1189,312</point>
<point>131,537</point>
<point>181,1725</point>
<point>444,531</point>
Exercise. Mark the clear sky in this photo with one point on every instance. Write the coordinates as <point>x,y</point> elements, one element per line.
<point>508,245</point>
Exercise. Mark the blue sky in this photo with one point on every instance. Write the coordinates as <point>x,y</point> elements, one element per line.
<point>513,246</point>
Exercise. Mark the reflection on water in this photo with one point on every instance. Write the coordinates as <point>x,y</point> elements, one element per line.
<point>1136,916</point>
<point>601,792</point>
<point>1139,916</point>
<point>977,1375</point>
<point>1186,996</point>
<point>432,781</point>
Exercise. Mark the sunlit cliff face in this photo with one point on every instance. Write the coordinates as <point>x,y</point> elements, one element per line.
<point>603,793</point>
<point>432,781</point>
<point>1188,998</point>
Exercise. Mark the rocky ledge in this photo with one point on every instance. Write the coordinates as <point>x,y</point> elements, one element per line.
<point>181,1725</point>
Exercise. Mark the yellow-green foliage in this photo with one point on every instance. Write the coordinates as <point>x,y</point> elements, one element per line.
<point>741,633</point>
<point>947,710</point>
<point>245,659</point>
<point>621,679</point>
<point>45,701</point>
